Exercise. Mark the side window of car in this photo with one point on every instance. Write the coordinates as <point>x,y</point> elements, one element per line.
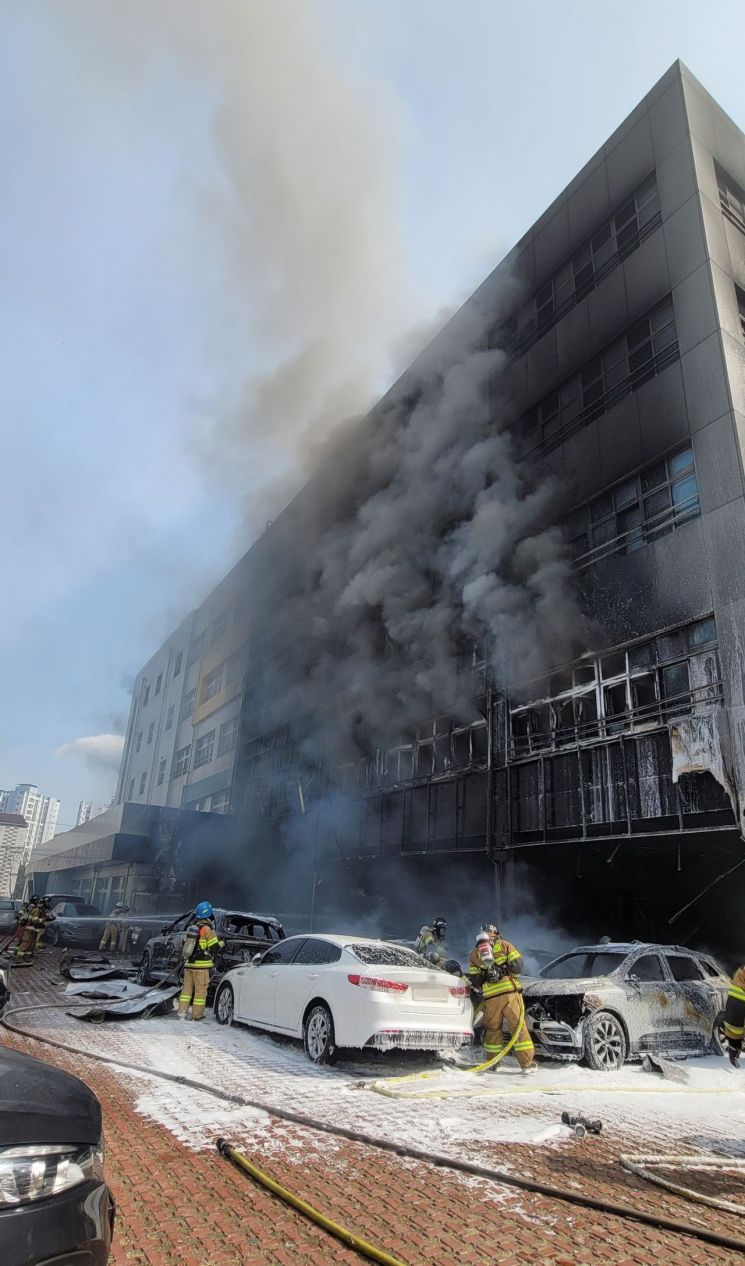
<point>648,967</point>
<point>710,969</point>
<point>318,953</point>
<point>280,954</point>
<point>684,968</point>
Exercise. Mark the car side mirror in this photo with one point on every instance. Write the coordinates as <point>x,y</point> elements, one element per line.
<point>633,978</point>
<point>165,928</point>
<point>256,960</point>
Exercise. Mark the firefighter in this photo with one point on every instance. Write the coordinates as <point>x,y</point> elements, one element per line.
<point>201,943</point>
<point>494,968</point>
<point>32,919</point>
<point>734,1017</point>
<point>112,929</point>
<point>431,942</point>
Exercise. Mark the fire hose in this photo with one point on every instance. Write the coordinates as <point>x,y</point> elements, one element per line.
<point>410,1151</point>
<point>339,1232</point>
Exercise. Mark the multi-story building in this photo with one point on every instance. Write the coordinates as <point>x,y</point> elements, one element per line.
<point>13,833</point>
<point>88,809</point>
<point>40,812</point>
<point>611,786</point>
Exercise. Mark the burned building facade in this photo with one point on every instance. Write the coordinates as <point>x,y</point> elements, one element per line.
<point>611,780</point>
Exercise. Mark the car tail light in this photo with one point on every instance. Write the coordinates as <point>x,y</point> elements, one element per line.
<point>374,982</point>
<point>459,991</point>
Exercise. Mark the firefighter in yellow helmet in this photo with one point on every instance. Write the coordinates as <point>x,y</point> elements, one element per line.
<point>734,1016</point>
<point>201,943</point>
<point>494,969</point>
<point>33,918</point>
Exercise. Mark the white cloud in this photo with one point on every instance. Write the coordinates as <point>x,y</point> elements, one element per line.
<point>100,751</point>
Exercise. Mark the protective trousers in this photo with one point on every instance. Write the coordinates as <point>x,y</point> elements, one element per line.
<point>27,943</point>
<point>194,991</point>
<point>500,1012</point>
<point>110,934</point>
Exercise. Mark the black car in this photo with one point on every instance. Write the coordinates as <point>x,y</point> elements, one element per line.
<point>55,1206</point>
<point>244,935</point>
<point>80,924</point>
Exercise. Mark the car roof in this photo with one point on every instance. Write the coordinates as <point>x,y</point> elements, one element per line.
<point>631,947</point>
<point>248,914</point>
<point>338,939</point>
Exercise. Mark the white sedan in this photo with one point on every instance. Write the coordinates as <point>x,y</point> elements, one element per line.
<point>347,991</point>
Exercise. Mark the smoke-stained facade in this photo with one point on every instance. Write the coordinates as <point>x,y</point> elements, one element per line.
<point>500,633</point>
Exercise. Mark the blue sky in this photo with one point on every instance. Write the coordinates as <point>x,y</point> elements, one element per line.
<point>192,207</point>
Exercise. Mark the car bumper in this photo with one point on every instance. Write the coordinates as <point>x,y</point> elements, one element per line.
<point>405,1037</point>
<point>73,1229</point>
<point>556,1039</point>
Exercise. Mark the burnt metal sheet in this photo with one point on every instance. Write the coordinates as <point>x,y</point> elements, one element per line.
<point>152,1002</point>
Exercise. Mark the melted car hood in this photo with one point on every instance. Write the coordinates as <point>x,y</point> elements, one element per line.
<point>553,988</point>
<point>41,1104</point>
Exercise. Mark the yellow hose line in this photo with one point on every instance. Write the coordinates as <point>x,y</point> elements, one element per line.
<point>383,1087</point>
<point>341,1233</point>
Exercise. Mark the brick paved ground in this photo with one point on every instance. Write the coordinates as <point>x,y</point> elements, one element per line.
<point>414,1211</point>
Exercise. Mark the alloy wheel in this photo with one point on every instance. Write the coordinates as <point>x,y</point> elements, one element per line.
<point>608,1044</point>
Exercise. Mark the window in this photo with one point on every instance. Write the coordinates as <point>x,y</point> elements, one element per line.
<point>131,789</point>
<point>731,198</point>
<point>630,360</point>
<point>600,255</point>
<point>158,683</point>
<point>684,968</point>
<point>741,308</point>
<point>623,691</point>
<point>283,953</point>
<point>317,953</point>
<point>179,662</point>
<point>198,646</point>
<point>220,802</point>
<point>577,966</point>
<point>648,967</point>
<point>181,762</point>
<point>637,510</point>
<point>187,705</point>
<point>150,732</point>
<point>212,683</point>
<point>228,737</point>
<point>382,955</point>
<point>169,715</point>
<point>143,780</point>
<point>138,743</point>
<point>145,695</point>
<point>161,772</point>
<point>219,627</point>
<point>203,749</point>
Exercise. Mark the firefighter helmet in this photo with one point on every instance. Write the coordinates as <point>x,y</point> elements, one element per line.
<point>440,925</point>
<point>483,936</point>
<point>204,910</point>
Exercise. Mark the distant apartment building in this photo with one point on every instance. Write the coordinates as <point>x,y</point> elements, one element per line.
<point>13,833</point>
<point>614,783</point>
<point>88,809</point>
<point>40,812</point>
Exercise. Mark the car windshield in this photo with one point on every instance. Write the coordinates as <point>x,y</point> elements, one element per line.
<point>577,966</point>
<point>386,956</point>
<point>7,905</point>
<point>68,910</point>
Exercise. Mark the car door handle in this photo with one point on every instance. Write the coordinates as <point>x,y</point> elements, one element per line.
<point>313,975</point>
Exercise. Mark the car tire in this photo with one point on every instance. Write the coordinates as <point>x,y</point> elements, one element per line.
<point>718,1044</point>
<point>606,1048</point>
<point>143,971</point>
<point>224,1005</point>
<point>318,1035</point>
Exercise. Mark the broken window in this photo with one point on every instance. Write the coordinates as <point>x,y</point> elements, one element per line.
<point>648,967</point>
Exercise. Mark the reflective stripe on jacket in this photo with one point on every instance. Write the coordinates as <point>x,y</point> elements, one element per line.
<point>734,1012</point>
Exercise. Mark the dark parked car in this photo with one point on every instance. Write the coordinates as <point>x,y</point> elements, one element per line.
<point>608,1003</point>
<point>55,1206</point>
<point>8,917</point>
<point>244,935</point>
<point>77,923</point>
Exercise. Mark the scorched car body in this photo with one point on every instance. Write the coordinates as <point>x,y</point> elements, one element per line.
<point>612,1002</point>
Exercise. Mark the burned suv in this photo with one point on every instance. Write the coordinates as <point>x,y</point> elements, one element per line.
<point>244,935</point>
<point>612,1002</point>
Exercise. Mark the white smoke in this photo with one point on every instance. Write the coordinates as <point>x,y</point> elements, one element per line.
<point>99,751</point>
